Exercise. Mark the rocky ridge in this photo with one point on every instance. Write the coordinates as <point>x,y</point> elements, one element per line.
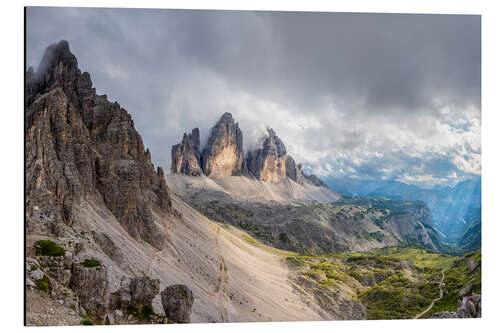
<point>80,146</point>
<point>223,156</point>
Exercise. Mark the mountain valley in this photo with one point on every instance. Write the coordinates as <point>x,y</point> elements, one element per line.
<point>226,236</point>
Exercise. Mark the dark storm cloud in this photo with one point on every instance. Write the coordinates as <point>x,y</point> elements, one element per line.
<point>356,92</point>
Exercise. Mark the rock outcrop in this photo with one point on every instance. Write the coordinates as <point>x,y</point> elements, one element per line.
<point>177,301</point>
<point>223,154</point>
<point>90,284</point>
<point>135,293</point>
<point>468,307</point>
<point>80,146</point>
<point>269,162</point>
<point>186,155</point>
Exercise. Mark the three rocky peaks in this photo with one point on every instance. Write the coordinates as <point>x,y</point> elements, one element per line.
<point>223,156</point>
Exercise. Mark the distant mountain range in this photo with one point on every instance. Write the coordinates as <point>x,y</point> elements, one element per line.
<point>454,209</point>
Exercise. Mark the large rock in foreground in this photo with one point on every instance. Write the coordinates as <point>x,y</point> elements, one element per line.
<point>90,284</point>
<point>135,293</point>
<point>177,301</point>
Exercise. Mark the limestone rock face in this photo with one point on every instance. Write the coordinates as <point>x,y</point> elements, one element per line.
<point>90,284</point>
<point>80,146</point>
<point>186,155</point>
<point>177,301</point>
<point>269,162</point>
<point>223,154</point>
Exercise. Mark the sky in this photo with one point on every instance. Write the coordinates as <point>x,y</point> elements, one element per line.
<point>368,96</point>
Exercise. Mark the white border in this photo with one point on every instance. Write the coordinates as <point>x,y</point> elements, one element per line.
<point>12,140</point>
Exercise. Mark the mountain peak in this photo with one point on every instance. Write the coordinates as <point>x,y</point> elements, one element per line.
<point>55,54</point>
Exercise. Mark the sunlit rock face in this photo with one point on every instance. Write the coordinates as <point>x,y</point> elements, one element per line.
<point>186,155</point>
<point>269,162</point>
<point>223,154</point>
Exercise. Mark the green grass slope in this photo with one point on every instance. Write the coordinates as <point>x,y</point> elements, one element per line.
<point>395,282</point>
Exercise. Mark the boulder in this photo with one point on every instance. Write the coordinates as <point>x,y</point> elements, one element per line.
<point>135,293</point>
<point>177,301</point>
<point>143,290</point>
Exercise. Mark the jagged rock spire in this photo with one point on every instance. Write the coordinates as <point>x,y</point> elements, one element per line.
<point>186,155</point>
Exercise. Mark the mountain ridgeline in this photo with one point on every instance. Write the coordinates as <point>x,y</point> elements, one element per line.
<point>270,196</point>
<point>223,156</point>
<point>456,210</point>
<point>226,237</point>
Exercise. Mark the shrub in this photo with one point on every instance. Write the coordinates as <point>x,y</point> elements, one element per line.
<point>145,313</point>
<point>86,322</point>
<point>284,238</point>
<point>48,248</point>
<point>43,284</point>
<point>92,262</point>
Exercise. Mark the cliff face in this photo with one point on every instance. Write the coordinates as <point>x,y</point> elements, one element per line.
<point>269,162</point>
<point>223,154</point>
<point>186,155</point>
<point>81,146</point>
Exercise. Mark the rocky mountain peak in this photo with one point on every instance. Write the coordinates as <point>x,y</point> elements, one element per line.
<point>269,162</point>
<point>55,55</point>
<point>186,155</point>
<point>223,154</point>
<point>81,147</point>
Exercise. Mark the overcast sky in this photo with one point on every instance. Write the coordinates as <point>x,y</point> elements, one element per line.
<point>388,96</point>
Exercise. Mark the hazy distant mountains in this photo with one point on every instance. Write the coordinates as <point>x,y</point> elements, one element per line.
<point>454,209</point>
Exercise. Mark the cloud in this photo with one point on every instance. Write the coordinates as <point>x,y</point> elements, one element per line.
<point>365,95</point>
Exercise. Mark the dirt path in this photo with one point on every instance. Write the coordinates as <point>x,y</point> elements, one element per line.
<point>435,300</point>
